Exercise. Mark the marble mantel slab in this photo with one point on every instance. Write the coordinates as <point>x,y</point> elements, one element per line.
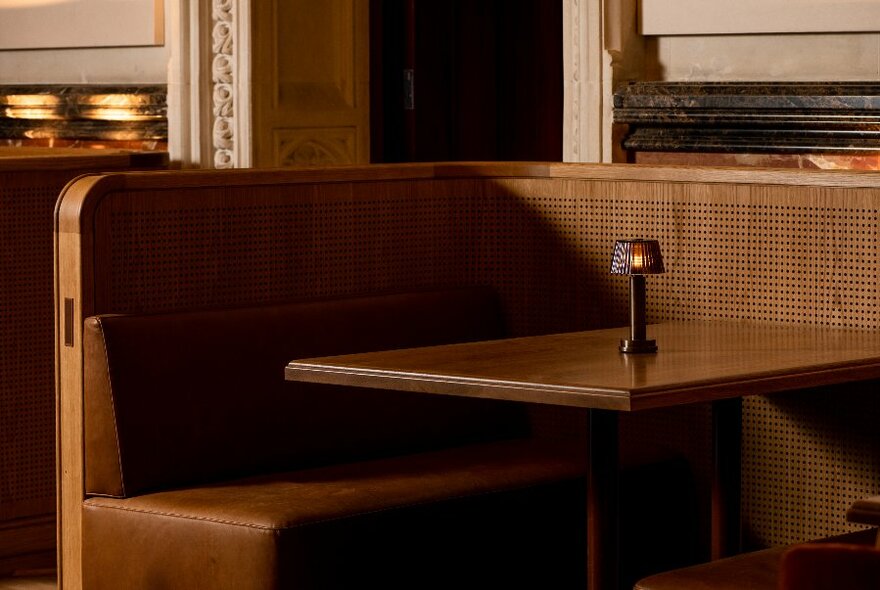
<point>84,112</point>
<point>761,117</point>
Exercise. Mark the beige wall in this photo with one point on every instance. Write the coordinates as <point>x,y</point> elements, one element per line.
<point>783,57</point>
<point>114,65</point>
<point>702,17</point>
<point>799,43</point>
<point>122,65</point>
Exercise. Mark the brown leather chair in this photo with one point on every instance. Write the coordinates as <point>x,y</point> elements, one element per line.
<point>826,564</point>
<point>830,566</point>
<point>756,570</point>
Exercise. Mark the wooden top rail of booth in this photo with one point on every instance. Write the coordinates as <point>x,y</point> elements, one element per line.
<point>44,159</point>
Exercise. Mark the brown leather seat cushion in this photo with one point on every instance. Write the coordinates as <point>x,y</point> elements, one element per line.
<point>501,514</point>
<point>757,570</point>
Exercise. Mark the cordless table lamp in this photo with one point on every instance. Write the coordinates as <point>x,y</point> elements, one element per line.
<point>637,258</point>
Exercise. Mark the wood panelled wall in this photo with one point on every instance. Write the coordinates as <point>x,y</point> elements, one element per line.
<point>788,246</point>
<point>310,79</point>
<point>30,181</point>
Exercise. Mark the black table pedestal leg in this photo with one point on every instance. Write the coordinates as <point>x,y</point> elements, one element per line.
<point>602,502</point>
<point>726,477</point>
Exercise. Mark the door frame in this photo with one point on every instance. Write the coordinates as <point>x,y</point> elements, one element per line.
<point>209,90</point>
<point>209,81</point>
<point>587,81</point>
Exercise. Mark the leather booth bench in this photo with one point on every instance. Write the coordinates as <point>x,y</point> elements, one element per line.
<point>204,469</point>
<point>541,236</point>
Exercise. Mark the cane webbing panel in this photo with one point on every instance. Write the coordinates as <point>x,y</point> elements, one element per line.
<point>27,383</point>
<point>809,457</point>
<point>274,247</point>
<point>749,251</point>
<point>27,405</point>
<point>30,182</point>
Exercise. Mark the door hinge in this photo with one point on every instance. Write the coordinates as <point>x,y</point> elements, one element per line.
<point>68,321</point>
<point>409,90</point>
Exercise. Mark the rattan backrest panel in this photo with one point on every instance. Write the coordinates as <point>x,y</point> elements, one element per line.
<point>30,182</point>
<point>271,244</point>
<point>27,406</point>
<point>807,458</point>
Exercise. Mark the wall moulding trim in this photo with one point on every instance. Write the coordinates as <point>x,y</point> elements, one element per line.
<point>583,78</point>
<point>702,17</point>
<point>230,77</point>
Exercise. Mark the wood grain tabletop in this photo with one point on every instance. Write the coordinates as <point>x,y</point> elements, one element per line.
<point>697,361</point>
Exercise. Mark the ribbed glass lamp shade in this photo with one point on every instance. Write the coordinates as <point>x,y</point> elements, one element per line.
<point>637,257</point>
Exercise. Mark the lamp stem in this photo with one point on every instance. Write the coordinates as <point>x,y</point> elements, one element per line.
<point>637,307</point>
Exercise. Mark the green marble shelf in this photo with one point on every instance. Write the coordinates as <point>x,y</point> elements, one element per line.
<point>77,112</point>
<point>759,117</point>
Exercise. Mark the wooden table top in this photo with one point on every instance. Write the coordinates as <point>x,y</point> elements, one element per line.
<point>697,361</point>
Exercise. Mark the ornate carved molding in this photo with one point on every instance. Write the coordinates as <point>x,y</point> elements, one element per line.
<point>316,146</point>
<point>223,76</point>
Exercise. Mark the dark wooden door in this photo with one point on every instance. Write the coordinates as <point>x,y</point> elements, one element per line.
<point>466,80</point>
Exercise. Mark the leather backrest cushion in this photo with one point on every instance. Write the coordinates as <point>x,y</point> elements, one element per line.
<point>185,398</point>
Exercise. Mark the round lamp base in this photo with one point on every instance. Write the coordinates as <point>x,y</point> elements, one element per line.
<point>638,346</point>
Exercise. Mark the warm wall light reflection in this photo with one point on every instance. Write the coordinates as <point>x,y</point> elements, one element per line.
<point>115,100</point>
<point>115,114</point>
<point>116,107</point>
<point>30,100</point>
<point>32,3</point>
<point>97,107</point>
<point>122,135</point>
<point>112,115</point>
<point>31,113</point>
<point>40,134</point>
<point>31,106</point>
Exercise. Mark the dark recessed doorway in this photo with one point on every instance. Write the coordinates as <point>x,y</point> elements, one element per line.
<point>466,80</point>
